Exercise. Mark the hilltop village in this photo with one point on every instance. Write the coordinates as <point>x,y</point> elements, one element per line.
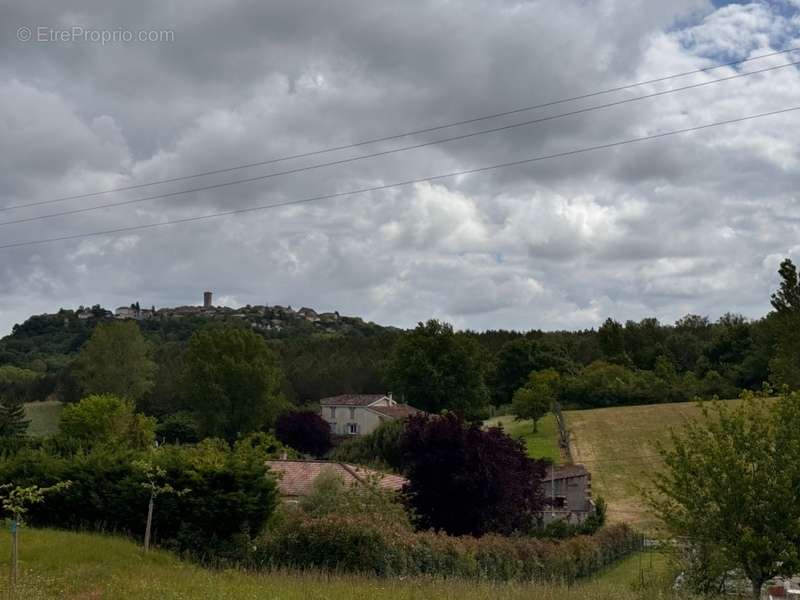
<point>261,317</point>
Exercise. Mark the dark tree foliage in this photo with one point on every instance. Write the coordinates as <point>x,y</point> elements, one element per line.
<point>612,341</point>
<point>785,364</point>
<point>435,369</point>
<point>319,367</point>
<point>517,359</point>
<point>305,431</point>
<point>12,417</point>
<point>644,342</point>
<point>465,480</point>
<point>178,428</point>
<point>225,493</point>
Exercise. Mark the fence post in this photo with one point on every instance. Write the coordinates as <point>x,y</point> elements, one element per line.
<point>14,553</point>
<point>149,524</point>
<point>563,432</point>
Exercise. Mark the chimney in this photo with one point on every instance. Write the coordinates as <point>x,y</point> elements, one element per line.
<point>206,299</point>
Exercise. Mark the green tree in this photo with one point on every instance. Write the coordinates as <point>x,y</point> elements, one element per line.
<point>730,489</point>
<point>612,341</point>
<point>232,382</point>
<point>435,369</point>
<point>116,360</point>
<point>535,399</point>
<point>107,419</point>
<point>514,362</point>
<point>785,365</point>
<point>12,417</point>
<point>16,502</point>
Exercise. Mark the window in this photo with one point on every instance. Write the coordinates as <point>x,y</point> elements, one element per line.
<point>352,428</point>
<point>333,413</point>
<point>352,414</point>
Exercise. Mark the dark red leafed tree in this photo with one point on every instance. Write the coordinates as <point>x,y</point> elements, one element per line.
<point>466,480</point>
<point>304,431</point>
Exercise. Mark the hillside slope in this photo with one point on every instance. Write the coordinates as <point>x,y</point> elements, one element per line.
<point>618,446</point>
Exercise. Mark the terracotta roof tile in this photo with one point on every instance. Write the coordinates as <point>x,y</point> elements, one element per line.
<point>351,399</point>
<point>397,412</point>
<point>296,477</point>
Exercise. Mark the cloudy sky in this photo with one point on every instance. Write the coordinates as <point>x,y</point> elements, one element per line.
<point>691,223</point>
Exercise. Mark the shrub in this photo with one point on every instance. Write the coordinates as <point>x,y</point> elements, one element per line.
<point>178,428</point>
<point>107,419</point>
<point>228,494</point>
<point>359,544</point>
<point>380,448</point>
<point>331,495</point>
<point>467,480</point>
<point>305,431</point>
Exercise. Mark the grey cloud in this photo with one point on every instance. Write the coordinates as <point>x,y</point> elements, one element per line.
<point>681,224</point>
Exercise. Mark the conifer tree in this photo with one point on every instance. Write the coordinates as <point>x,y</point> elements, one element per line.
<point>12,417</point>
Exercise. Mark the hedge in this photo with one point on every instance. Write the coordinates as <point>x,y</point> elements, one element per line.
<point>358,545</point>
<point>224,493</point>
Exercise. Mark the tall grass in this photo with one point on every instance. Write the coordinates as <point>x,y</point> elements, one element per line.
<point>58,564</point>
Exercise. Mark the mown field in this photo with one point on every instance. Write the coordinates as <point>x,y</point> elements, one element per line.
<point>43,417</point>
<point>57,564</point>
<point>618,446</point>
<point>542,444</point>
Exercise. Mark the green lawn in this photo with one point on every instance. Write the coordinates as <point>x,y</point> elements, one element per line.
<point>543,444</point>
<point>43,416</point>
<point>57,564</point>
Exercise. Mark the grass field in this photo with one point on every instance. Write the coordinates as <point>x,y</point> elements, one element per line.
<point>58,564</point>
<point>43,416</point>
<point>618,446</point>
<point>542,444</point>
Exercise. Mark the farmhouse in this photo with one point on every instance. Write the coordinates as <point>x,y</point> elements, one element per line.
<point>296,477</point>
<point>360,414</point>
<point>568,494</point>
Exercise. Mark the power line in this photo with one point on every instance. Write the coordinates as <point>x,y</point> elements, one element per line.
<point>391,151</point>
<point>401,183</point>
<point>401,135</point>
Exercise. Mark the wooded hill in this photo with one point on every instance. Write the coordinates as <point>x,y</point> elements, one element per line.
<point>631,363</point>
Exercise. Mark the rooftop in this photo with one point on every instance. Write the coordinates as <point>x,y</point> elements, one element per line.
<point>397,412</point>
<point>565,472</point>
<point>351,400</point>
<point>297,476</point>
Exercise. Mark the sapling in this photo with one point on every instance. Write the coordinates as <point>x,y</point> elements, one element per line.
<point>154,475</point>
<point>16,503</point>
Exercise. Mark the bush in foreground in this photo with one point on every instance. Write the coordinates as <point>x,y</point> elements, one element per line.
<point>226,496</point>
<point>349,543</point>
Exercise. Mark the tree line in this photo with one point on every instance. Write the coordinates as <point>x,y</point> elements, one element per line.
<point>431,366</point>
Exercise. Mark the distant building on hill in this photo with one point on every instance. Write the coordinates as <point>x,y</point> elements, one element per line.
<point>361,414</point>
<point>309,314</point>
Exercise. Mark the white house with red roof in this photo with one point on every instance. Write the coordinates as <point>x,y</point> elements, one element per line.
<point>360,414</point>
